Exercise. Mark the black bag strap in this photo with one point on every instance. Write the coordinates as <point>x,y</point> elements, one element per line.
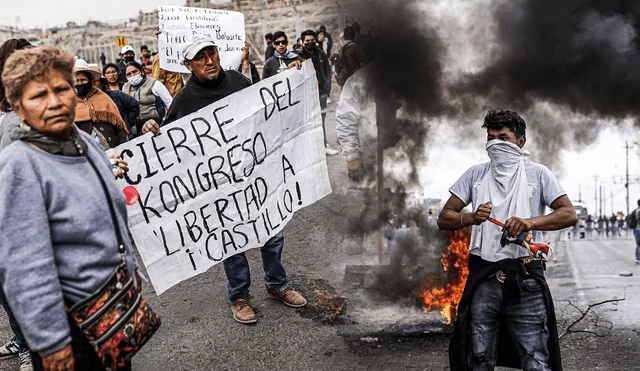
<point>112,210</point>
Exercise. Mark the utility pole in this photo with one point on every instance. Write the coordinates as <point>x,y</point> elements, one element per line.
<point>626,184</point>
<point>595,187</point>
<point>612,210</point>
<point>601,200</point>
<point>579,192</point>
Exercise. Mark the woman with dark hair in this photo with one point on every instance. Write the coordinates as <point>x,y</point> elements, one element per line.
<point>59,247</point>
<point>151,94</point>
<point>110,73</point>
<point>95,111</point>
<point>9,121</point>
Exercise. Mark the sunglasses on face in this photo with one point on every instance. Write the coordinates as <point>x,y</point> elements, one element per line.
<point>281,42</point>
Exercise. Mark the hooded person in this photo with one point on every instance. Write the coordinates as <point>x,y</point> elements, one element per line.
<point>95,110</point>
<point>282,58</point>
<point>506,315</point>
<point>208,84</point>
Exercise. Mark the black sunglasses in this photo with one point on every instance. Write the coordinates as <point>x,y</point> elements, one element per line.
<point>281,42</point>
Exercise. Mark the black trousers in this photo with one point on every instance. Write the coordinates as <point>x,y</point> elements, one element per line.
<point>86,358</point>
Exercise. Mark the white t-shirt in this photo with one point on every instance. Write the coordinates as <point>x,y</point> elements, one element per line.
<point>543,188</point>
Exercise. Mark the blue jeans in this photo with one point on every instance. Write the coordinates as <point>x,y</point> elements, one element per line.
<point>323,109</point>
<point>17,333</point>
<point>239,277</point>
<point>527,324</point>
<point>636,234</point>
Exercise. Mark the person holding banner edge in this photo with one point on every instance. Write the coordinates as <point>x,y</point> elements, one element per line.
<point>208,84</point>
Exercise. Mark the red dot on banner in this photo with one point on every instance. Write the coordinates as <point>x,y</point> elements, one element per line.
<point>131,194</point>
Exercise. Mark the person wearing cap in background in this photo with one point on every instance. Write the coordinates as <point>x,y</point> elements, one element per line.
<point>208,84</point>
<point>127,105</point>
<point>96,114</point>
<point>171,80</point>
<point>128,55</point>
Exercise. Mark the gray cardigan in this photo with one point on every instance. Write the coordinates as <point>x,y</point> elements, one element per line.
<point>8,123</point>
<point>58,241</point>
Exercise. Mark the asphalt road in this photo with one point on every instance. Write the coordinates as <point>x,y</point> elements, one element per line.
<point>198,332</point>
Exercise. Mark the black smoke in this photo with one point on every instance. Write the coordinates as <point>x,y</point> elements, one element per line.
<point>580,55</point>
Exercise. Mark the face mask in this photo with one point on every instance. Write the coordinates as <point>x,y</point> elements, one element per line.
<point>504,153</point>
<point>310,47</point>
<point>135,80</point>
<point>128,59</point>
<point>83,89</point>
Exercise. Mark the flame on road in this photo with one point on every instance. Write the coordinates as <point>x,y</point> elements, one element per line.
<point>446,294</point>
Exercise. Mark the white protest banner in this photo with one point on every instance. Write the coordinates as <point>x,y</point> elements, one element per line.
<point>226,178</point>
<point>178,23</point>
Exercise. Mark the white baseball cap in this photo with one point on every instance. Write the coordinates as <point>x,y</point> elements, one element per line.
<point>127,48</point>
<point>195,44</point>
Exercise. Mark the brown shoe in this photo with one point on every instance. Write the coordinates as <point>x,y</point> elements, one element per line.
<point>242,312</point>
<point>290,298</point>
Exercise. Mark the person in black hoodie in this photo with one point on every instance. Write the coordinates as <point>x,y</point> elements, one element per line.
<point>312,51</point>
<point>208,84</point>
<point>282,58</point>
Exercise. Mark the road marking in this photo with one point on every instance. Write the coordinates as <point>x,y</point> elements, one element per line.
<point>574,270</point>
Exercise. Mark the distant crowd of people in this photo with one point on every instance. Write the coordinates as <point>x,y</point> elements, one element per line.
<point>612,227</point>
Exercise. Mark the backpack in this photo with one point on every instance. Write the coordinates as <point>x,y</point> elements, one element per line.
<point>632,219</point>
<point>342,70</point>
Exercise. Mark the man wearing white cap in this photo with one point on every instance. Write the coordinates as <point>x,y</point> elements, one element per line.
<point>128,55</point>
<point>208,84</point>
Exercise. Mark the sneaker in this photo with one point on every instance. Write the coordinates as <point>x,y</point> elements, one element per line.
<point>242,312</point>
<point>9,350</point>
<point>25,361</point>
<point>330,151</point>
<point>290,298</point>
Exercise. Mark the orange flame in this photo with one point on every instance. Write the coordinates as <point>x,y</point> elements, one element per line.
<point>455,263</point>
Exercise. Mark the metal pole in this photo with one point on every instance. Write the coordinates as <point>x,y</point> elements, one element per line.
<point>612,210</point>
<point>601,200</point>
<point>380,190</point>
<point>626,184</point>
<point>595,187</point>
<point>579,192</point>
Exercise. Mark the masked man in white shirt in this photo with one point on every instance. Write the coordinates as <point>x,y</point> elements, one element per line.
<point>506,316</point>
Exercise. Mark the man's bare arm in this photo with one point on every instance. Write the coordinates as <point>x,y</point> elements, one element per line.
<point>452,219</point>
<point>563,216</point>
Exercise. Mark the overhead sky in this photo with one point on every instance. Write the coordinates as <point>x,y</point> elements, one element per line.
<point>41,13</point>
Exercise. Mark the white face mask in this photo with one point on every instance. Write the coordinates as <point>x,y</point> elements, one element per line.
<point>504,153</point>
<point>135,80</point>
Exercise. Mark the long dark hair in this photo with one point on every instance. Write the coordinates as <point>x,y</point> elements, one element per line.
<point>105,83</point>
<point>6,49</point>
<point>104,69</point>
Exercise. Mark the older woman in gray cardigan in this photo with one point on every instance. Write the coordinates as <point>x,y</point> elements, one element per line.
<point>58,241</point>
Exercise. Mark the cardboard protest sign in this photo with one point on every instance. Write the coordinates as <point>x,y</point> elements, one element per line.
<point>178,23</point>
<point>227,178</point>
